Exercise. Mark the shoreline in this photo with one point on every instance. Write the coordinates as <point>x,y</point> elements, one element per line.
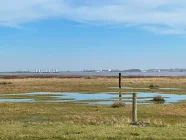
<point>81,76</point>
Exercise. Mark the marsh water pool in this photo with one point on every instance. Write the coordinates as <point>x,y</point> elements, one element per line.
<point>89,98</point>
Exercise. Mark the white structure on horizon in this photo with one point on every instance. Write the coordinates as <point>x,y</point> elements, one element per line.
<point>105,70</point>
<point>43,71</point>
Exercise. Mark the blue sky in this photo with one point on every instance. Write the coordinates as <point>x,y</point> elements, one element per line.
<point>87,34</point>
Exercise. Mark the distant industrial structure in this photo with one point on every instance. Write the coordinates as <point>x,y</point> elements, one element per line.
<point>43,71</point>
<point>86,70</point>
<point>137,70</point>
<point>113,70</point>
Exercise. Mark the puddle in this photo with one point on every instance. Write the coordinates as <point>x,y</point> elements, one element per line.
<point>44,93</point>
<point>148,88</point>
<point>91,98</point>
<point>35,93</point>
<point>17,100</point>
<point>88,96</point>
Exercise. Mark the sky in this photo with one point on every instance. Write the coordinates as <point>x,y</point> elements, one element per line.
<point>92,34</point>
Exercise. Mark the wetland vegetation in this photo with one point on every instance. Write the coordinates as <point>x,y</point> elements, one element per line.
<point>69,120</point>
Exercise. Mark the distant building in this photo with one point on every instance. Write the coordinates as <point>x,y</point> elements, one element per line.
<point>43,71</point>
<point>153,70</point>
<point>132,70</point>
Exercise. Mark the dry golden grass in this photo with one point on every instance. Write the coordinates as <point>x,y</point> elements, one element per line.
<point>94,84</point>
<point>82,114</point>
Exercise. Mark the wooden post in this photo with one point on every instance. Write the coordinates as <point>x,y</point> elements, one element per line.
<point>134,108</point>
<point>120,80</point>
<point>120,86</point>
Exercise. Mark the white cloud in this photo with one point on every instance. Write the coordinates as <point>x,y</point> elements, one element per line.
<point>164,30</point>
<point>147,14</point>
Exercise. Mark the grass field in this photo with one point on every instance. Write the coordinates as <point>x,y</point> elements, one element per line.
<point>89,84</point>
<point>82,121</point>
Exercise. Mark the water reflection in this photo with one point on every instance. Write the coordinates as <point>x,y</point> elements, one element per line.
<point>94,98</point>
<point>120,96</point>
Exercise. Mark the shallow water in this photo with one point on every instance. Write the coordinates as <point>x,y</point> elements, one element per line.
<point>44,93</point>
<point>93,98</point>
<point>17,100</point>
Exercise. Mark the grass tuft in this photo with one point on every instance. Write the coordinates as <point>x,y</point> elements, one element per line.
<point>118,104</point>
<point>5,83</point>
<point>88,77</point>
<point>159,99</point>
<point>152,86</point>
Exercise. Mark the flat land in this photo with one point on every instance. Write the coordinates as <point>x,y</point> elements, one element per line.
<point>82,121</point>
<point>17,84</point>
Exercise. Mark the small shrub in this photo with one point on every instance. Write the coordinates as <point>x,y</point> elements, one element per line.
<point>118,104</point>
<point>158,99</point>
<point>5,83</point>
<point>152,86</point>
<point>88,77</point>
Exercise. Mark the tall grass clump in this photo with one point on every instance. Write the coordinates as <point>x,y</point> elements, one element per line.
<point>159,99</point>
<point>5,83</point>
<point>88,77</point>
<point>118,104</point>
<point>152,86</point>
